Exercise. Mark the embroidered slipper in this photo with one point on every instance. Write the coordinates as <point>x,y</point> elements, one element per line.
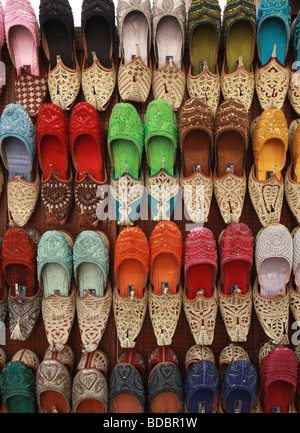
<point>131,268</point>
<point>54,266</point>
<point>165,290</point>
<point>125,146</point>
<point>196,126</point>
<point>3,290</point>
<point>202,381</point>
<point>87,151</point>
<point>239,381</point>
<point>169,25</point>
<point>236,247</point>
<point>231,144</point>
<point>294,284</point>
<point>54,381</point>
<point>237,78</point>
<point>53,149</point>
<point>90,389</point>
<point>273,260</point>
<point>161,141</point>
<point>292,176</point>
<point>135,36</point>
<point>294,84</point>
<point>94,294</point>
<point>165,383</point>
<point>126,387</point>
<point>18,383</point>
<point>204,34</point>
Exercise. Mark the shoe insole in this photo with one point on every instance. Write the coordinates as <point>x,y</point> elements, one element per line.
<point>126,403</point>
<point>88,159</point>
<point>55,279</point>
<point>235,275</point>
<point>240,400</point>
<point>165,270</point>
<point>52,400</point>
<point>91,406</point>
<point>20,404</point>
<point>24,50</point>
<point>273,274</point>
<point>196,152</point>
<point>166,402</point>
<point>131,275</point>
<point>169,41</point>
<point>160,149</point>
<point>203,399</point>
<point>277,397</point>
<point>98,39</point>
<point>18,159</point>
<point>125,155</point>
<point>239,44</point>
<point>270,159</point>
<point>21,275</point>
<point>230,153</point>
<point>204,45</point>
<point>90,279</point>
<point>52,154</point>
<point>135,32</point>
<point>200,277</point>
<point>59,43</point>
<point>272,32</point>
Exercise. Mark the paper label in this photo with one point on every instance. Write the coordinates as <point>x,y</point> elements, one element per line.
<point>234,287</point>
<point>230,167</point>
<point>201,406</point>
<point>2,334</point>
<point>131,289</point>
<point>164,287</point>
<point>197,167</point>
<point>22,290</point>
<point>2,74</point>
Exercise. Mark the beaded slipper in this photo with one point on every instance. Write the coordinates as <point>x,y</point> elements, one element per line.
<point>294,84</point>
<point>292,176</point>
<point>131,267</point>
<point>200,300</point>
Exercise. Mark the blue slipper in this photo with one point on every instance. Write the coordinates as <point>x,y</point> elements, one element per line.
<point>296,26</point>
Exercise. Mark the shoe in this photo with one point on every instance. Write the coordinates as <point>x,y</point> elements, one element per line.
<point>294,292</point>
<point>126,387</point>
<point>269,133</point>
<point>54,381</point>
<point>272,39</point>
<point>237,77</point>
<point>98,69</point>
<point>200,298</point>
<point>231,144</point>
<point>2,365</point>
<point>202,381</point>
<point>23,41</point>
<point>135,36</point>
<point>131,268</point>
<point>294,83</point>
<point>58,41</point>
<point>24,294</point>
<point>292,178</point>
<point>165,289</point>
<point>18,152</point>
<point>204,35</point>
<point>3,290</point>
<point>161,141</point>
<point>87,151</point>
<point>196,125</point>
<point>169,26</point>
<point>239,381</point>
<point>53,149</point>
<point>54,265</point>
<point>90,389</point>
<point>273,260</point>
<point>236,247</point>
<point>2,40</point>
<point>165,383</point>
<point>18,383</point>
<point>94,294</point>
<point>125,147</point>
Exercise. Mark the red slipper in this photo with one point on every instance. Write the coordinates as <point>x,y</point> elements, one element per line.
<point>200,263</point>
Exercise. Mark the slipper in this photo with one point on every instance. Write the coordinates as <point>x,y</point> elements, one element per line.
<point>273,260</point>
<point>239,381</point>
<point>292,177</point>
<point>2,365</point>
<point>3,290</point>
<point>196,125</point>
<point>278,379</point>
<point>294,284</point>
<point>237,78</point>
<point>18,383</point>
<point>53,149</point>
<point>131,267</point>
<point>54,381</point>
<point>165,290</point>
<point>98,70</point>
<point>169,79</point>
<point>231,144</point>
<point>165,383</point>
<point>126,387</point>
<point>89,389</point>
<point>135,36</point>
<point>125,147</point>
<point>2,40</point>
<point>204,34</point>
<point>294,84</point>
<point>202,381</point>
<point>87,151</point>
